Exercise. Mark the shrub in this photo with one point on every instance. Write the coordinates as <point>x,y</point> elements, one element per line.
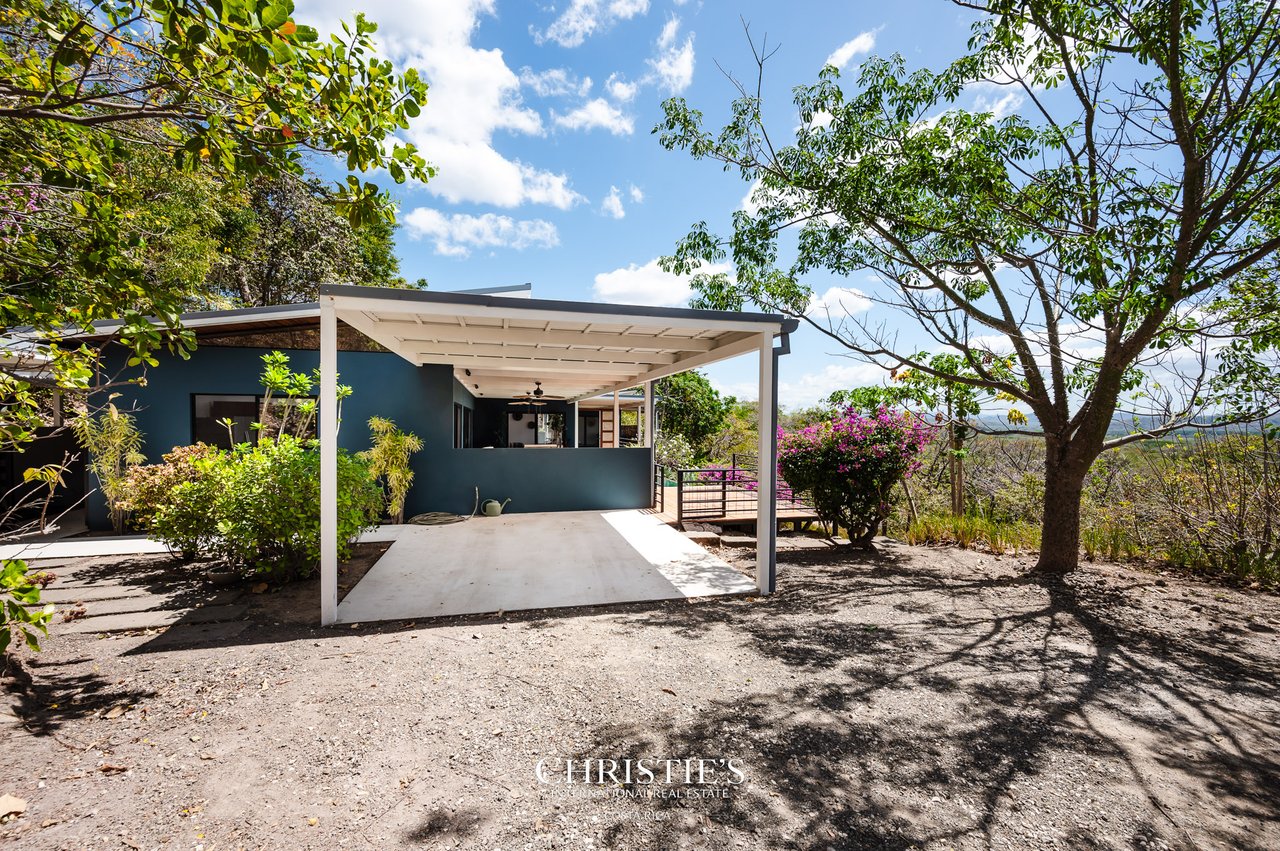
<point>148,486</point>
<point>389,460</point>
<point>186,517</point>
<point>256,507</point>
<point>850,464</point>
<point>286,406</point>
<point>114,445</point>
<point>673,451</point>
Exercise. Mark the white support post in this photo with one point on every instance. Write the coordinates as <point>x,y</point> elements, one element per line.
<point>617,422</point>
<point>576,422</point>
<point>646,408</point>
<point>766,469</point>
<point>328,462</point>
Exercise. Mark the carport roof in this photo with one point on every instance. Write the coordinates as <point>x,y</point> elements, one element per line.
<point>500,346</point>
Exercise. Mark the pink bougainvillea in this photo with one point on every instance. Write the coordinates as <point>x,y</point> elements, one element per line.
<point>849,465</point>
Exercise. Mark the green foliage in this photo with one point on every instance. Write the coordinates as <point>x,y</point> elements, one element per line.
<point>148,488</point>
<point>388,460</point>
<point>285,410</point>
<point>19,597</point>
<point>688,405</point>
<point>129,132</point>
<point>256,507</point>
<point>673,451</point>
<point>1065,254</point>
<point>283,238</point>
<point>969,531</point>
<point>114,445</point>
<point>740,434</point>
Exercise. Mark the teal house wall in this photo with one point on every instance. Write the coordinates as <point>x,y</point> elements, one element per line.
<point>418,399</point>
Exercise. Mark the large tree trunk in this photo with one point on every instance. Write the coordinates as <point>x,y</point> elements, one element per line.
<point>1064,473</point>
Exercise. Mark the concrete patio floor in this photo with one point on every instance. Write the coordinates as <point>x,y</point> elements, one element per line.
<point>536,561</point>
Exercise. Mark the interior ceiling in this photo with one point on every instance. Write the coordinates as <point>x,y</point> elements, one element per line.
<point>572,358</point>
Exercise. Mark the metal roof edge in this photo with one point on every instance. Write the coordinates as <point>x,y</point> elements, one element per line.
<point>592,307</point>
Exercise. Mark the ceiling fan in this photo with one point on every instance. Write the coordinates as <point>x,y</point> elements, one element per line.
<point>535,397</point>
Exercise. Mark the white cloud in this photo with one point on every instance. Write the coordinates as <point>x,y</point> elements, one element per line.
<point>584,18</point>
<point>647,284</point>
<point>612,205</point>
<point>864,42</point>
<point>473,98</point>
<point>673,66</point>
<point>837,303</point>
<point>813,387</point>
<point>999,107</point>
<point>598,113</point>
<point>619,89</point>
<point>749,203</point>
<point>555,82</point>
<point>637,194</point>
<point>455,235</point>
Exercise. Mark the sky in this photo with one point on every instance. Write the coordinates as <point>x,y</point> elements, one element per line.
<point>540,116</point>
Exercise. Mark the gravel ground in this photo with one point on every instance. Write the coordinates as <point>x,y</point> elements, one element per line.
<point>900,699</point>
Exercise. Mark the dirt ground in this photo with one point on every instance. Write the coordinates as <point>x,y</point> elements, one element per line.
<point>909,698</point>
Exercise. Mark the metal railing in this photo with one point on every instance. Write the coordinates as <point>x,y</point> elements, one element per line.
<point>724,493</point>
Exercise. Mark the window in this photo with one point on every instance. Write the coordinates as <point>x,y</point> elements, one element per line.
<point>551,429</point>
<point>461,426</point>
<point>209,412</point>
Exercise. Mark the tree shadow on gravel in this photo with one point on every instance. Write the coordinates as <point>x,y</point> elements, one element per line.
<point>446,825</point>
<point>935,706</point>
<point>45,696</point>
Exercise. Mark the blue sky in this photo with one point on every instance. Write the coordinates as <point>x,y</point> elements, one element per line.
<point>539,119</point>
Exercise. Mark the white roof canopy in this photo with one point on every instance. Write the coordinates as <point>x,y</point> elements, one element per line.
<point>500,346</point>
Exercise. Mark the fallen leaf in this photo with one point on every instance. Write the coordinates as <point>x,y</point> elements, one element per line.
<point>108,768</point>
<point>313,821</point>
<point>259,588</point>
<point>11,806</point>
<point>131,843</point>
<point>115,711</point>
<point>670,692</point>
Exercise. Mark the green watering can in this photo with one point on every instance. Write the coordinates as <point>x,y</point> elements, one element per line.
<point>493,508</point>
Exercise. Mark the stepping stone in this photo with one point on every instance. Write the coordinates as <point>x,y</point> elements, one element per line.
<point>158,603</point>
<point>151,620</point>
<point>128,577</point>
<point>744,541</point>
<point>706,539</point>
<point>61,595</point>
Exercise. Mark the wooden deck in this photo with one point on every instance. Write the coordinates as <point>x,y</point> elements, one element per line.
<point>740,510</point>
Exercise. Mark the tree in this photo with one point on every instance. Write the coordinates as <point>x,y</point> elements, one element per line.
<point>225,91</point>
<point>688,405</point>
<point>1085,258</point>
<point>284,238</point>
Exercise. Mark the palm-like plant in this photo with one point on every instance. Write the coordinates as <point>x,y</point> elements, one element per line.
<point>389,460</point>
<point>114,445</point>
